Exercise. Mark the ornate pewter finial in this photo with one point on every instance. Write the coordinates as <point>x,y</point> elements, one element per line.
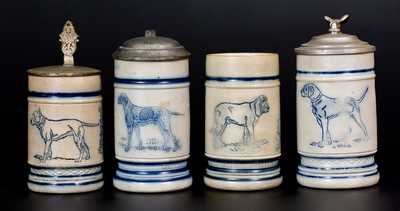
<point>335,23</point>
<point>68,39</point>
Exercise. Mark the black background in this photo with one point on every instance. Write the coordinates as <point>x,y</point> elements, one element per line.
<point>29,38</point>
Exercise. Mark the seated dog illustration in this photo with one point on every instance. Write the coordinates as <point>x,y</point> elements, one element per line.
<point>53,130</point>
<point>137,117</point>
<point>243,114</point>
<point>327,108</point>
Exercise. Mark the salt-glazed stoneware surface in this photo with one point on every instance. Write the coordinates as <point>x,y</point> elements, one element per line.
<point>65,125</point>
<point>336,111</point>
<point>152,115</point>
<point>242,121</point>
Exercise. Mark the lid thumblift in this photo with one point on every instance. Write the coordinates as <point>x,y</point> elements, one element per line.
<point>151,47</point>
<point>335,42</point>
<point>69,40</point>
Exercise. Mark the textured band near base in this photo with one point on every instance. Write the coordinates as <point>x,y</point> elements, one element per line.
<point>152,177</point>
<point>243,174</point>
<point>337,173</point>
<point>65,179</point>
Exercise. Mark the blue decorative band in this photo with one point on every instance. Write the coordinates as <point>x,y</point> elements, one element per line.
<point>64,168</point>
<point>66,184</point>
<point>341,168</point>
<point>338,177</point>
<point>67,176</point>
<point>149,164</point>
<point>64,94</point>
<point>243,161</point>
<point>151,81</point>
<point>152,181</point>
<point>334,72</point>
<point>160,172</point>
<point>250,171</point>
<point>152,172</point>
<point>244,179</point>
<point>226,79</point>
<point>338,158</point>
<point>243,170</point>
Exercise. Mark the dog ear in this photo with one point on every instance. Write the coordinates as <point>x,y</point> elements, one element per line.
<point>310,90</point>
<point>257,105</point>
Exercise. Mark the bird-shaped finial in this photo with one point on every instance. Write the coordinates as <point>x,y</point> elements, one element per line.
<point>335,24</point>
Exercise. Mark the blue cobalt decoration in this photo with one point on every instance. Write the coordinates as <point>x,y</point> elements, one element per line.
<point>336,111</point>
<point>152,115</point>
<point>242,121</point>
<point>65,128</point>
<point>137,117</point>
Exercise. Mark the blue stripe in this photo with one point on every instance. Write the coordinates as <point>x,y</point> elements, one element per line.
<point>153,172</point>
<point>338,177</point>
<point>225,170</point>
<point>67,176</point>
<point>334,72</point>
<point>343,168</point>
<point>243,161</point>
<point>243,179</point>
<point>266,78</point>
<point>150,164</point>
<point>337,158</point>
<point>63,94</point>
<point>54,168</point>
<point>65,184</point>
<point>151,81</point>
<point>152,181</point>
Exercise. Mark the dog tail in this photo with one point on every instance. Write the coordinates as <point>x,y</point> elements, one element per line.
<point>90,124</point>
<point>363,95</point>
<point>175,113</point>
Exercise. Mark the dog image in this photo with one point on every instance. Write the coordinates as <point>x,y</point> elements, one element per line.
<point>243,114</point>
<point>53,130</point>
<point>137,117</point>
<point>326,108</point>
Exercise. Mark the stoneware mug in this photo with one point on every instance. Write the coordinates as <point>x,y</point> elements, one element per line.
<point>152,115</point>
<point>336,111</point>
<point>242,121</point>
<point>65,149</point>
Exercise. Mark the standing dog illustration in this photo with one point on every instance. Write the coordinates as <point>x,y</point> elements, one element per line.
<point>137,117</point>
<point>327,108</point>
<point>53,130</point>
<point>243,114</point>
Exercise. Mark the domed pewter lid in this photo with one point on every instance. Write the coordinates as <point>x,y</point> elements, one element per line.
<point>335,42</point>
<point>151,48</point>
<point>69,40</point>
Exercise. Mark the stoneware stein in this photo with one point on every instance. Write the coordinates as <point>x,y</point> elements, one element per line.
<point>152,115</point>
<point>65,124</point>
<point>242,121</point>
<point>336,111</point>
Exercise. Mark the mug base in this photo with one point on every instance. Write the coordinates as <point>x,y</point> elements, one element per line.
<point>338,172</point>
<point>60,189</point>
<point>65,179</point>
<point>343,183</point>
<point>152,187</point>
<point>242,186</point>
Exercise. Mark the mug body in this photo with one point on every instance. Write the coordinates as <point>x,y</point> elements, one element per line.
<point>242,121</point>
<point>336,121</point>
<point>65,149</point>
<point>152,119</point>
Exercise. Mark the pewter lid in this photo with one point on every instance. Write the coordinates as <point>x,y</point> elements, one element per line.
<point>335,42</point>
<point>69,40</point>
<point>151,48</point>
